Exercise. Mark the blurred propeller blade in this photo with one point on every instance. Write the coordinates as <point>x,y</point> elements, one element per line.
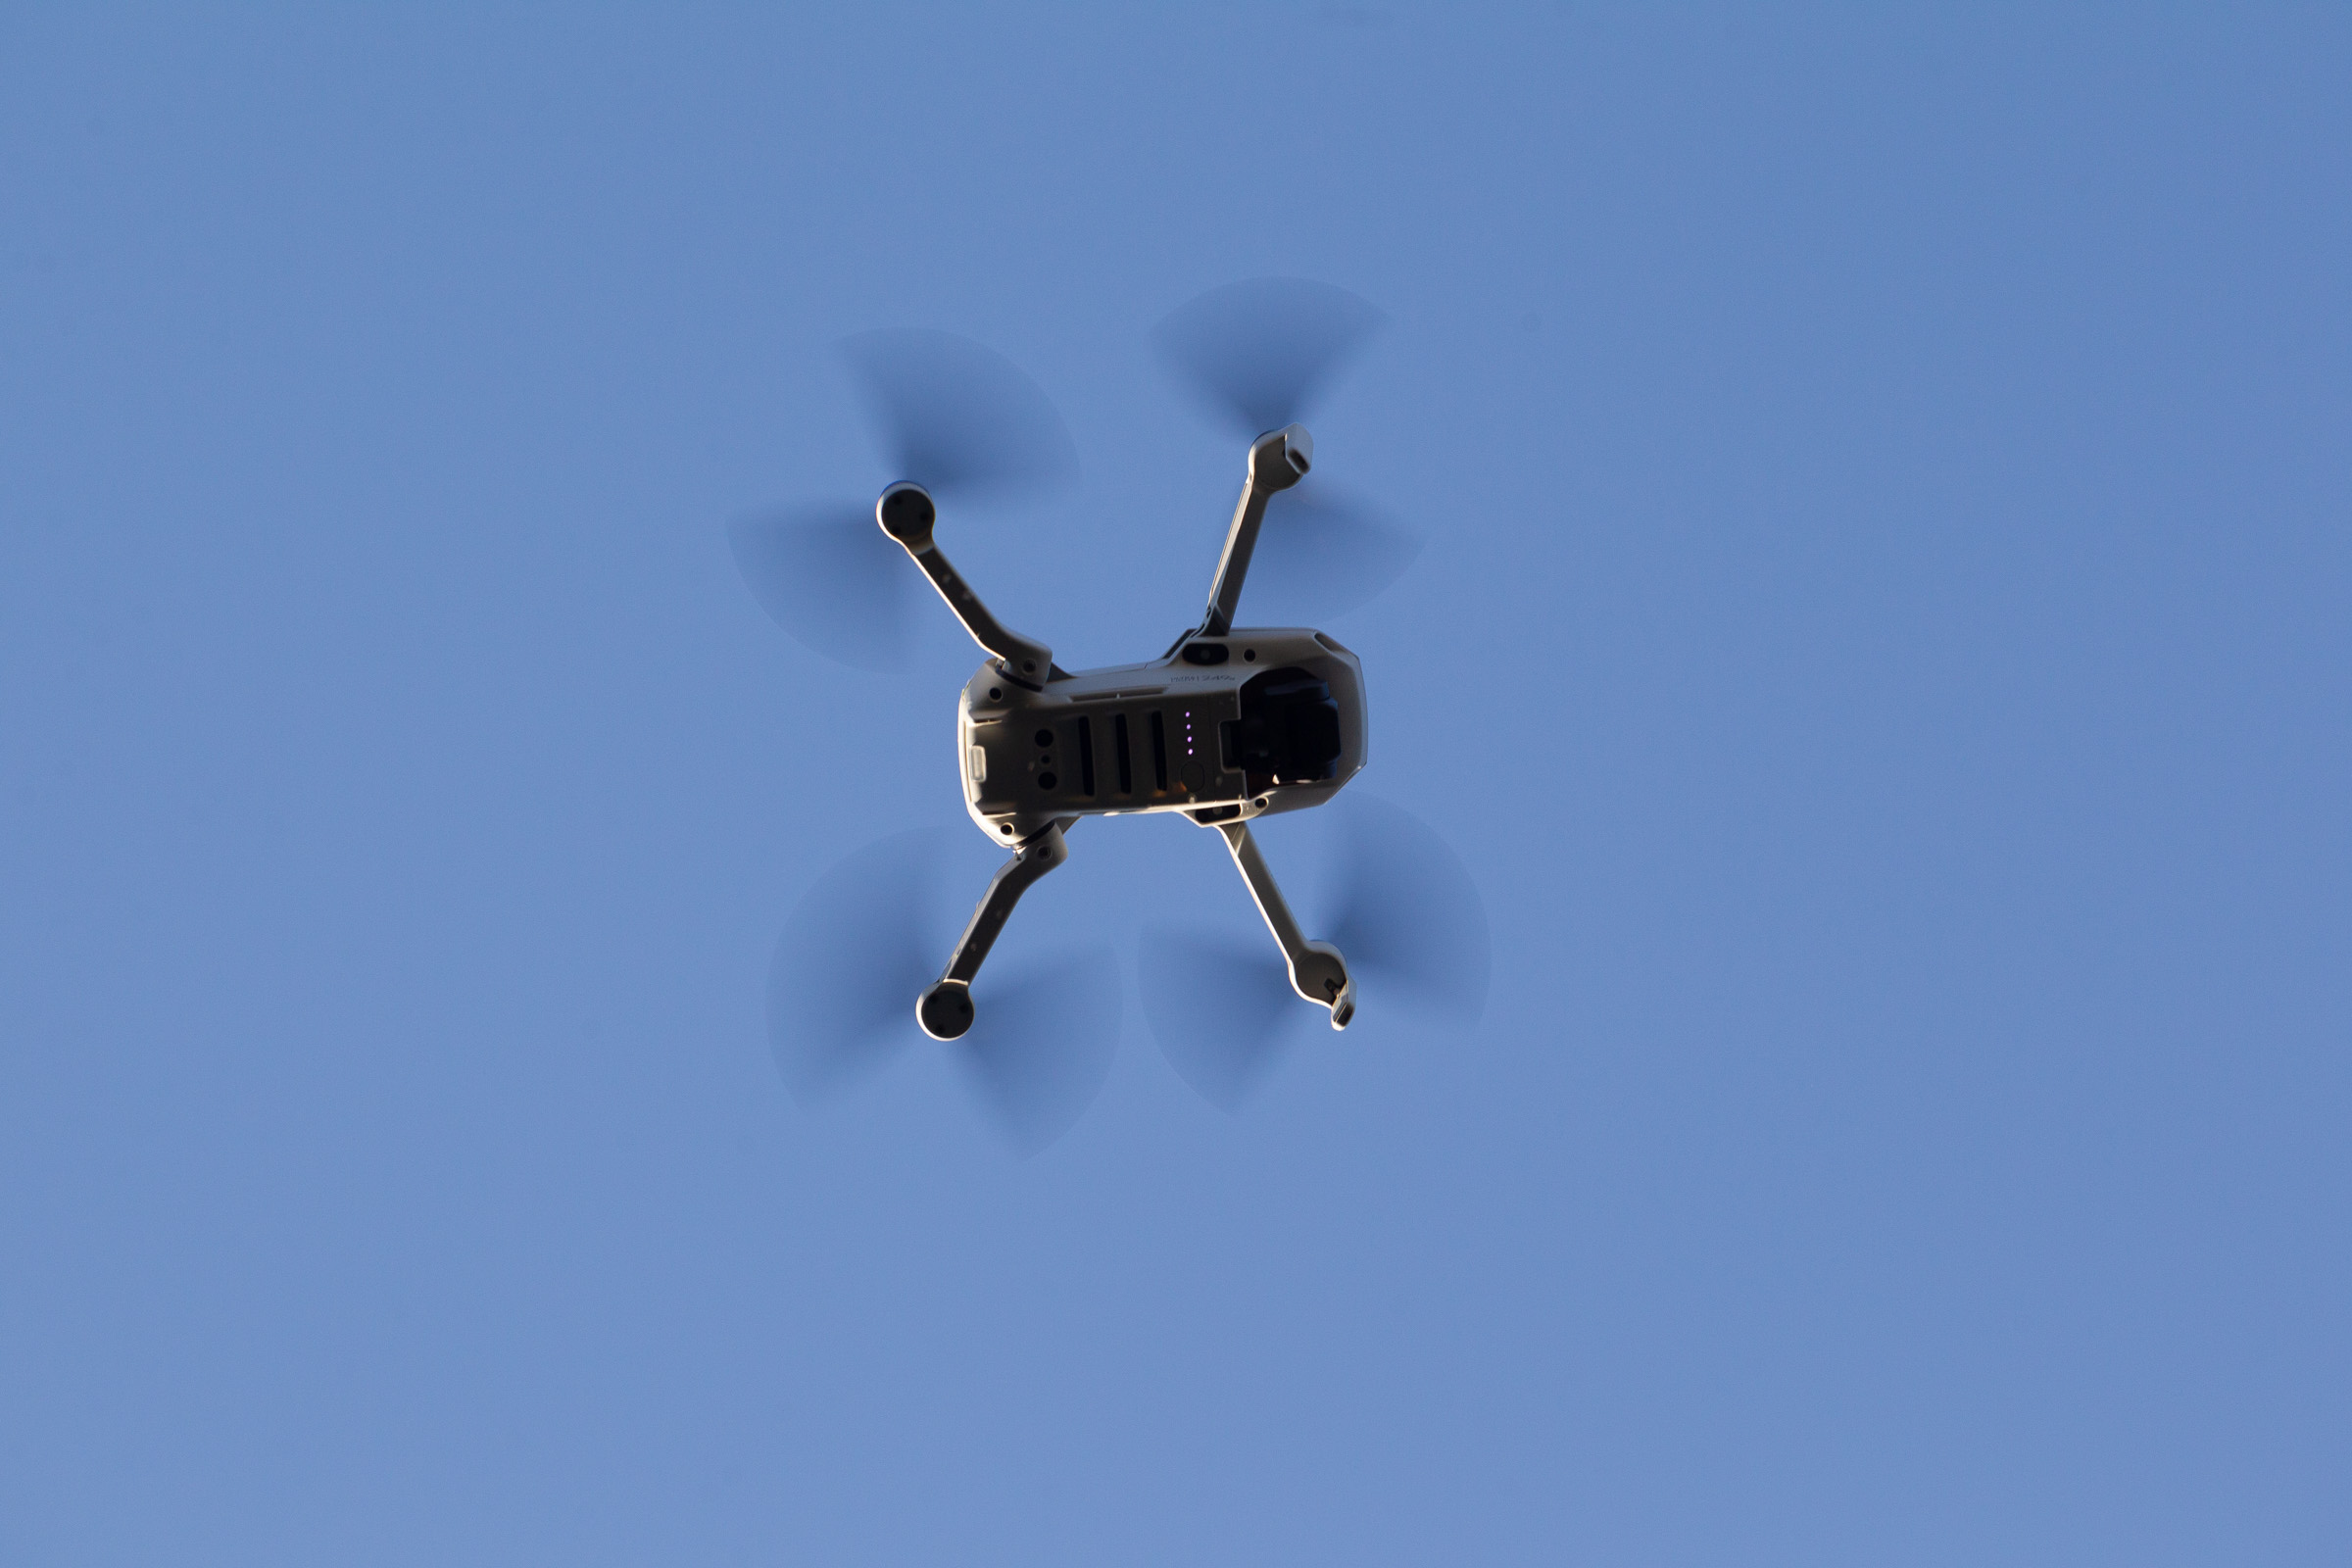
<point>1323,552</point>
<point>1040,1048</point>
<point>829,576</point>
<point>1221,1007</point>
<point>1257,352</point>
<point>857,951</point>
<point>953,415</point>
<point>1407,914</point>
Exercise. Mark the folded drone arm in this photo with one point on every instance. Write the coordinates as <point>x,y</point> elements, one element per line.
<point>906,515</point>
<point>1317,970</point>
<point>944,1008</point>
<point>1278,459</point>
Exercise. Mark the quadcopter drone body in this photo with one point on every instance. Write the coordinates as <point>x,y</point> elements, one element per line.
<point>1228,724</point>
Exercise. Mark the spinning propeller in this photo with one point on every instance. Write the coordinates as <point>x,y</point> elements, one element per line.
<point>867,937</point>
<point>965,423</point>
<point>958,419</point>
<point>1398,903</point>
<point>1258,355</point>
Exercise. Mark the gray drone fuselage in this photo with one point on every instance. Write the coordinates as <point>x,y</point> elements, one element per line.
<point>1222,730</point>
<point>1227,726</point>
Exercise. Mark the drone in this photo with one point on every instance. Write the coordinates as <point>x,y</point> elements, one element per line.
<point>1225,727</point>
<point>1228,724</point>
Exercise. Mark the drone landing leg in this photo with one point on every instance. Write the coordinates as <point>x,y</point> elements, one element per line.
<point>1317,971</point>
<point>906,515</point>
<point>944,1008</point>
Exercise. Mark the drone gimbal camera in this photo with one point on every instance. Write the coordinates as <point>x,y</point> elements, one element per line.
<point>1226,725</point>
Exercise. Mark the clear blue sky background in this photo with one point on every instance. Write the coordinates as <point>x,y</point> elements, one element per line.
<point>1882,650</point>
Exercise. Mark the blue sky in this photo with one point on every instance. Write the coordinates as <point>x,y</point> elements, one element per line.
<point>1880,648</point>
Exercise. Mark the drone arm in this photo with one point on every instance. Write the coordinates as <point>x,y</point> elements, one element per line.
<point>944,1008</point>
<point>906,515</point>
<point>1278,459</point>
<point>1023,659</point>
<point>1317,971</point>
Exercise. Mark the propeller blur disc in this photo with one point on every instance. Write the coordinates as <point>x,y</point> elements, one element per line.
<point>1040,1047</point>
<point>1221,1007</point>
<point>860,948</point>
<point>1258,353</point>
<point>1400,907</point>
<point>955,417</point>
<point>1322,552</point>
<point>1407,914</point>
<point>833,579</point>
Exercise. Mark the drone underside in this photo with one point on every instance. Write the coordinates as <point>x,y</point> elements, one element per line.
<point>1223,728</point>
<point>1227,726</point>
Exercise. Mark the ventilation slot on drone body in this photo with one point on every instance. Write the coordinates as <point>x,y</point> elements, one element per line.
<point>1085,756</point>
<point>1159,754</point>
<point>1118,745</point>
